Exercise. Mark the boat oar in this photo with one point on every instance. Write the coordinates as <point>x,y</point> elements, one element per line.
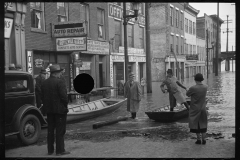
<point>104,123</point>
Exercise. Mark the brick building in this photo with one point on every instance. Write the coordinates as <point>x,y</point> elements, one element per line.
<point>167,36</point>
<point>74,35</point>
<point>135,39</point>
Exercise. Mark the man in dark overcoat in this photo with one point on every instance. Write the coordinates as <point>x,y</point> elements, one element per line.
<point>39,80</point>
<point>55,104</point>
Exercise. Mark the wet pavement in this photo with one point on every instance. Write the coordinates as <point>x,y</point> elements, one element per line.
<point>221,117</point>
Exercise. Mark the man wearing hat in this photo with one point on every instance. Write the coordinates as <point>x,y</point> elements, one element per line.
<point>55,105</point>
<point>175,94</point>
<point>39,80</point>
<point>198,112</point>
<point>132,91</point>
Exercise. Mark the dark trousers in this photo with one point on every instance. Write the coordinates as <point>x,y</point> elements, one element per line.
<point>58,122</point>
<point>133,115</point>
<point>172,101</point>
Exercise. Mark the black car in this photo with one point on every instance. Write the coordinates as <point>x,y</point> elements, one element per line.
<point>22,117</point>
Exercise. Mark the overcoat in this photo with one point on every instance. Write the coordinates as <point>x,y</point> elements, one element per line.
<point>54,96</point>
<point>39,82</point>
<point>133,95</point>
<point>197,112</point>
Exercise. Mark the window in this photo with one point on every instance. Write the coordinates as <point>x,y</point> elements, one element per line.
<point>141,9</point>
<point>190,49</point>
<point>129,6</point>
<point>16,84</point>
<point>190,27</point>
<point>130,35</point>
<point>171,44</point>
<point>177,18</point>
<point>186,25</point>
<point>100,19</point>
<point>194,49</point>
<point>171,16</point>
<point>62,11</point>
<point>118,34</point>
<point>141,37</point>
<point>182,18</point>
<point>117,3</point>
<point>84,15</point>
<point>37,15</point>
<point>177,45</point>
<point>186,48</point>
<point>193,28</point>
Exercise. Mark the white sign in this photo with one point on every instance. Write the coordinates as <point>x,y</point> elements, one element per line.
<point>132,50</point>
<point>8,27</point>
<point>98,47</point>
<point>71,44</point>
<point>29,62</point>
<point>85,66</point>
<point>120,58</point>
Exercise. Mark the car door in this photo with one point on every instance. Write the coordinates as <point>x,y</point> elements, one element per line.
<point>18,92</point>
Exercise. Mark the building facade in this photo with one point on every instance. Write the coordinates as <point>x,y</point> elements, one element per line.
<point>167,39</point>
<point>136,44</point>
<point>214,26</point>
<point>74,35</point>
<point>201,52</point>
<point>192,49</point>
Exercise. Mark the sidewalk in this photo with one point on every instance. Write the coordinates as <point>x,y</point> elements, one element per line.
<point>135,147</point>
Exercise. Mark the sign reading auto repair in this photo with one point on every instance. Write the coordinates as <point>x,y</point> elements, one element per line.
<point>68,29</point>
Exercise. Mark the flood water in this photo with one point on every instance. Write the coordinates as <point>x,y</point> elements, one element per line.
<point>220,107</point>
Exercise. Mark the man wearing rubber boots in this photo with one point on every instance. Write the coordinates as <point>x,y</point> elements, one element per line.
<point>55,104</point>
<point>175,94</point>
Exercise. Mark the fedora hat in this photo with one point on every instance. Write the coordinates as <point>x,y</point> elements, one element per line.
<point>169,71</point>
<point>55,68</point>
<point>198,77</point>
<point>43,71</point>
<point>131,75</point>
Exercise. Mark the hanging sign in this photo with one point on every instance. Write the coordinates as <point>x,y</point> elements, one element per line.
<point>39,63</point>
<point>7,27</point>
<point>29,62</point>
<point>71,44</point>
<point>66,29</point>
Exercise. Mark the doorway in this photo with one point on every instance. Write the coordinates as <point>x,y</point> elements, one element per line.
<point>100,75</point>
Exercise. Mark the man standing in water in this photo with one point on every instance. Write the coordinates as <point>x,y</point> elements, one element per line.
<point>175,95</point>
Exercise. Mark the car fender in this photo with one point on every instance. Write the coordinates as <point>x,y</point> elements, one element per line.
<point>24,110</point>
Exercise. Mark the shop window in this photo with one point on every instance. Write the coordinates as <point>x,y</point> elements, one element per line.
<point>130,35</point>
<point>62,11</point>
<point>141,9</point>
<point>141,37</point>
<point>100,22</point>
<point>37,15</point>
<point>84,15</point>
<point>118,35</point>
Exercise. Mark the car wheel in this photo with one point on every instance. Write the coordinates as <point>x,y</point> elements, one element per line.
<point>30,129</point>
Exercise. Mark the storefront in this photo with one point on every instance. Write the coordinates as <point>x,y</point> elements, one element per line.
<point>137,65</point>
<point>14,34</point>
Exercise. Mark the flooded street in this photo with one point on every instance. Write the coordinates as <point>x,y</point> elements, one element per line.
<point>220,107</point>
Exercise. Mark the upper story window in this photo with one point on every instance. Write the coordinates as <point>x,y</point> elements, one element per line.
<point>177,18</point>
<point>177,45</point>
<point>118,3</point>
<point>62,11</point>
<point>129,6</point>
<point>171,16</point>
<point>100,23</point>
<point>141,9</point>
<point>190,27</point>
<point>37,15</point>
<point>130,35</point>
<point>186,25</point>
<point>181,18</point>
<point>190,49</point>
<point>141,37</point>
<point>84,15</point>
<point>194,28</point>
<point>118,35</point>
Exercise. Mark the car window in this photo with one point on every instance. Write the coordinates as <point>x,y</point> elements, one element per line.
<point>16,84</point>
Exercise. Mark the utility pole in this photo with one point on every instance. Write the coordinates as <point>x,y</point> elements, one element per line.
<point>148,50</point>
<point>227,21</point>
<point>125,41</point>
<point>217,44</point>
<point>207,53</point>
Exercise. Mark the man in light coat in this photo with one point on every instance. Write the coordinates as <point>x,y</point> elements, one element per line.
<point>198,112</point>
<point>132,91</point>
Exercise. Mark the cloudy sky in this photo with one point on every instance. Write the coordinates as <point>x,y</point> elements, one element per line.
<point>224,10</point>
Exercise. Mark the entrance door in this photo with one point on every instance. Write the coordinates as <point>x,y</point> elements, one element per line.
<point>100,75</point>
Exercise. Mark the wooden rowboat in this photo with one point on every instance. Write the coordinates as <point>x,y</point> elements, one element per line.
<point>93,109</point>
<point>163,114</point>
